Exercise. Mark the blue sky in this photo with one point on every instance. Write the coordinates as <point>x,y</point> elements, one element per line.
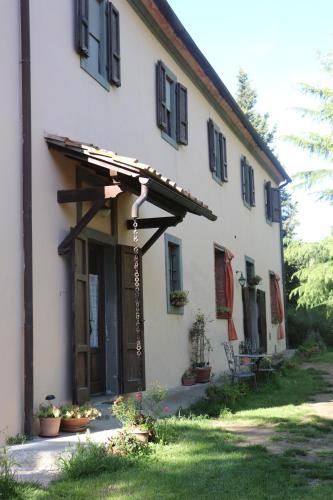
<point>277,44</point>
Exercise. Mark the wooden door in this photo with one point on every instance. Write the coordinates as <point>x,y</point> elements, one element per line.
<point>97,319</point>
<point>262,324</point>
<point>80,308</point>
<point>247,314</point>
<point>133,367</point>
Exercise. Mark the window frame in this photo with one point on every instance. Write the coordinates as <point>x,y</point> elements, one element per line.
<point>247,183</point>
<point>172,79</point>
<point>173,240</point>
<point>220,169</point>
<point>220,315</point>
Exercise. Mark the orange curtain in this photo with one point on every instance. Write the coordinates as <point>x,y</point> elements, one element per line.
<point>229,279</point>
<point>279,307</point>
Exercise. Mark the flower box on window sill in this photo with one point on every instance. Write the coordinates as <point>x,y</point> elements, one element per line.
<point>223,312</point>
<point>179,298</point>
<point>254,280</point>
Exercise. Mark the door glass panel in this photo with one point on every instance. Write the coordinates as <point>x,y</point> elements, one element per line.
<point>93,309</point>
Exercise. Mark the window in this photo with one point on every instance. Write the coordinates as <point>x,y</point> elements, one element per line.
<point>247,175</point>
<point>173,270</point>
<point>274,306</point>
<point>98,41</point>
<point>272,203</point>
<point>171,106</point>
<point>220,284</point>
<point>217,149</point>
<point>249,266</point>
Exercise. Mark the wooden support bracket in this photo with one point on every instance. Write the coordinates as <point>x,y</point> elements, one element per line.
<point>89,194</point>
<point>150,223</point>
<point>66,244</point>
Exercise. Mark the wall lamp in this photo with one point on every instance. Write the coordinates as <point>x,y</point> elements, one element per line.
<point>241,279</point>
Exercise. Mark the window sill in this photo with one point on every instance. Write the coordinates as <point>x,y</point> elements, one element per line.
<point>169,139</point>
<point>96,76</point>
<point>217,179</point>
<point>175,310</point>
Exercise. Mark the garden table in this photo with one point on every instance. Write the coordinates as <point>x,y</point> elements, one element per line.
<point>255,358</point>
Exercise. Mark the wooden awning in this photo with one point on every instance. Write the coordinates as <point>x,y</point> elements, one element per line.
<point>162,191</point>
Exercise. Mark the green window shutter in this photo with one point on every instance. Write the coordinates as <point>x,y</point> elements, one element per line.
<point>268,200</point>
<point>182,120</point>
<point>161,110</point>
<point>223,157</point>
<point>276,205</point>
<point>211,146</point>
<point>243,177</point>
<point>113,40</point>
<point>251,183</point>
<point>82,27</point>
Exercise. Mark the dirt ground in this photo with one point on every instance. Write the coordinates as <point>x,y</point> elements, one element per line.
<point>266,435</point>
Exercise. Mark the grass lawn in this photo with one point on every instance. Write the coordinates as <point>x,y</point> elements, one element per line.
<point>204,461</point>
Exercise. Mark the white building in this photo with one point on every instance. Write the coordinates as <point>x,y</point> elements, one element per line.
<point>128,78</point>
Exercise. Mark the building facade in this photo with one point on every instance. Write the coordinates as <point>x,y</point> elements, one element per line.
<point>128,78</point>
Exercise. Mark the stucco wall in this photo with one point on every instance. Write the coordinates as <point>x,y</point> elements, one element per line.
<point>11,320</point>
<point>68,102</point>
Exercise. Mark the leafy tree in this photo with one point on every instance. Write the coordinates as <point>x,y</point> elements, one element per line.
<point>246,97</point>
<point>320,144</point>
<point>314,263</point>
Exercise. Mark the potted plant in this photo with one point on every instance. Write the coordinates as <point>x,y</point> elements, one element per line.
<point>189,377</point>
<point>77,418</point>
<point>128,411</point>
<point>49,419</point>
<point>201,348</point>
<point>254,280</point>
<point>179,298</point>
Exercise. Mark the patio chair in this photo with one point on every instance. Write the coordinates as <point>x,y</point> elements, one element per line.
<point>237,371</point>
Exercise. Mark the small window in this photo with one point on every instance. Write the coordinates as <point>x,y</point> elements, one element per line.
<point>171,106</point>
<point>98,40</point>
<point>272,203</point>
<point>173,269</point>
<point>274,307</point>
<point>249,266</point>
<point>247,176</point>
<point>220,285</point>
<point>217,149</point>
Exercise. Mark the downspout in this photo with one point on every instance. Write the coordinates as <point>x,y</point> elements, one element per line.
<point>142,198</point>
<point>283,269</point>
<point>27,215</point>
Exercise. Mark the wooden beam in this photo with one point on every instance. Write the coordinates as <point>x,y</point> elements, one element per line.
<point>154,238</point>
<point>150,223</point>
<point>88,194</point>
<point>66,244</point>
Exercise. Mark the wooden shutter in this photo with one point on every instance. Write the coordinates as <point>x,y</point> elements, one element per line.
<point>80,337</point>
<point>133,367</point>
<point>251,182</point>
<point>113,45</point>
<point>220,284</point>
<point>246,312</point>
<point>243,177</point>
<point>268,200</point>
<point>82,27</point>
<point>276,205</point>
<point>274,311</point>
<point>223,156</point>
<point>182,120</point>
<point>161,110</point>
<point>211,146</point>
<point>262,324</point>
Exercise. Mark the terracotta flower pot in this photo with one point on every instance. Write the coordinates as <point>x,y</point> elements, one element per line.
<point>203,374</point>
<point>49,427</point>
<point>188,380</point>
<point>74,424</point>
<point>140,435</point>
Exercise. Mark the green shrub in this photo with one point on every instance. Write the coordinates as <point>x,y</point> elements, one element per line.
<point>88,458</point>
<point>166,430</point>
<point>17,439</point>
<point>300,322</point>
<point>7,476</point>
<point>312,345</point>
<point>125,443</point>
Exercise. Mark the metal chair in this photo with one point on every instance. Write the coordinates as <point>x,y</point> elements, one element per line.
<point>236,370</point>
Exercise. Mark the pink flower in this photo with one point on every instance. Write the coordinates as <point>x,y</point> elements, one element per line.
<point>138,396</point>
<point>166,409</point>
